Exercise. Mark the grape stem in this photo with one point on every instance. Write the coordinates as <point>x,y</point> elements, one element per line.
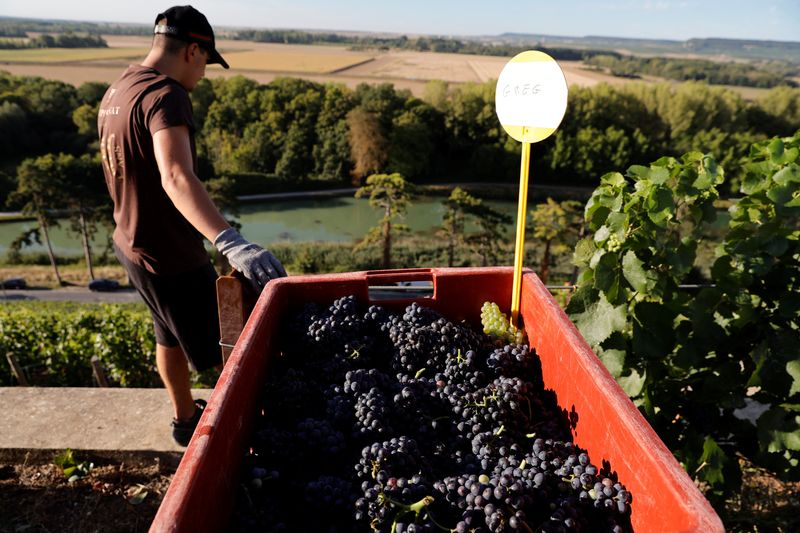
<point>417,508</point>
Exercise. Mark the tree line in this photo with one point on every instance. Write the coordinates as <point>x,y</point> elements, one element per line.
<point>403,42</point>
<point>294,133</point>
<point>20,27</point>
<point>61,40</point>
<point>712,72</point>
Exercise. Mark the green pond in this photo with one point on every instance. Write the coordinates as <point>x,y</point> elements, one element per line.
<point>332,219</point>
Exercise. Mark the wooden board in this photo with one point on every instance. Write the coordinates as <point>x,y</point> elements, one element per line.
<point>235,301</point>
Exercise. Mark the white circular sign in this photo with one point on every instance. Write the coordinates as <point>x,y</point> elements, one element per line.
<point>531,96</point>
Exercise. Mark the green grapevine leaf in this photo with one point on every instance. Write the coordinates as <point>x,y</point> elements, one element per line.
<point>607,276</point>
<point>634,272</point>
<point>782,194</point>
<point>633,383</point>
<point>795,202</point>
<point>754,179</point>
<point>789,155</point>
<point>787,175</point>
<point>704,181</point>
<point>653,333</point>
<point>660,206</point>
<point>614,361</point>
<point>599,319</point>
<point>596,215</point>
<point>618,224</point>
<point>602,234</point>
<point>659,175</point>
<point>712,463</point>
<point>681,258</point>
<point>584,251</point>
<point>613,179</point>
<point>779,430</point>
<point>638,171</point>
<point>775,151</point>
<point>793,369</point>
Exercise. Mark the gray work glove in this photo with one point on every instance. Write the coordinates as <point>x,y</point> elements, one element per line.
<point>258,265</point>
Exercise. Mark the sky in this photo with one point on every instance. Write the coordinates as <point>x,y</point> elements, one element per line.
<point>777,20</point>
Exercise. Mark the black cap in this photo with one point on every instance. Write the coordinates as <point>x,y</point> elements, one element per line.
<point>188,24</point>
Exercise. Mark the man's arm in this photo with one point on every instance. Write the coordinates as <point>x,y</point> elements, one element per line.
<point>173,153</point>
<point>174,158</point>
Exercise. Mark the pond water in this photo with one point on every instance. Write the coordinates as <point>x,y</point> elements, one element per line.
<point>332,219</point>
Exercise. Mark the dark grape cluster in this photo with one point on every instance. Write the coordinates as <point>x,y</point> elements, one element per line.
<point>408,422</point>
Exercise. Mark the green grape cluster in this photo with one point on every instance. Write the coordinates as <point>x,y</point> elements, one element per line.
<point>497,324</point>
<point>613,244</point>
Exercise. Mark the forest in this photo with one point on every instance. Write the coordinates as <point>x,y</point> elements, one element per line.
<point>294,134</point>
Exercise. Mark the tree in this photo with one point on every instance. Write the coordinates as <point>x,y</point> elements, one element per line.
<point>491,227</point>
<point>411,146</point>
<point>592,152</point>
<point>392,194</point>
<point>91,92</point>
<point>453,222</point>
<point>296,161</point>
<point>782,104</point>
<point>435,94</point>
<point>557,225</point>
<point>39,189</point>
<point>86,197</point>
<point>15,134</point>
<point>368,145</point>
<point>332,151</point>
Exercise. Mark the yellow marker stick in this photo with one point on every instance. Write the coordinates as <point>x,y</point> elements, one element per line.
<point>519,251</point>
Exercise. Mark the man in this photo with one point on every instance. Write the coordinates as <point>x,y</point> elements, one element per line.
<point>161,209</point>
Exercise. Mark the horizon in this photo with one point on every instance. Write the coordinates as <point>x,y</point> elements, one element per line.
<point>623,19</point>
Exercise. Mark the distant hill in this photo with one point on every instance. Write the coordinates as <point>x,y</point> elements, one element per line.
<point>710,47</point>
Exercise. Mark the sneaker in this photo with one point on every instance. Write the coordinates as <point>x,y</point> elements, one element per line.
<point>182,430</point>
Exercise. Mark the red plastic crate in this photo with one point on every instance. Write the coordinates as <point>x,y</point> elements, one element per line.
<point>200,497</point>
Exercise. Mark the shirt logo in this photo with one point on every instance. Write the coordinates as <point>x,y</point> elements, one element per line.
<point>106,111</point>
<point>111,153</point>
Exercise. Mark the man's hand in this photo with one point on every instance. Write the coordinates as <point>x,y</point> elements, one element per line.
<point>258,265</point>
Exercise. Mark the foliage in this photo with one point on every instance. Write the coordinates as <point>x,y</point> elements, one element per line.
<point>72,469</point>
<point>55,342</point>
<point>304,132</point>
<point>758,273</point>
<point>691,362</point>
<point>487,241</point>
<point>408,251</point>
<point>391,194</point>
<point>557,225</point>
<point>61,40</point>
<point>713,72</point>
<point>461,209</point>
<point>454,220</point>
<point>38,189</point>
<point>368,144</point>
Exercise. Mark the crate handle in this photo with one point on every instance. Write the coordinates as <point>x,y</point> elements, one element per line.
<point>395,285</point>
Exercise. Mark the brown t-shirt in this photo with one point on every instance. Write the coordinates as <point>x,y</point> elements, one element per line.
<point>150,231</point>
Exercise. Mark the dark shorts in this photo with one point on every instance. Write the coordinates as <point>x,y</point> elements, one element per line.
<point>184,310</point>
